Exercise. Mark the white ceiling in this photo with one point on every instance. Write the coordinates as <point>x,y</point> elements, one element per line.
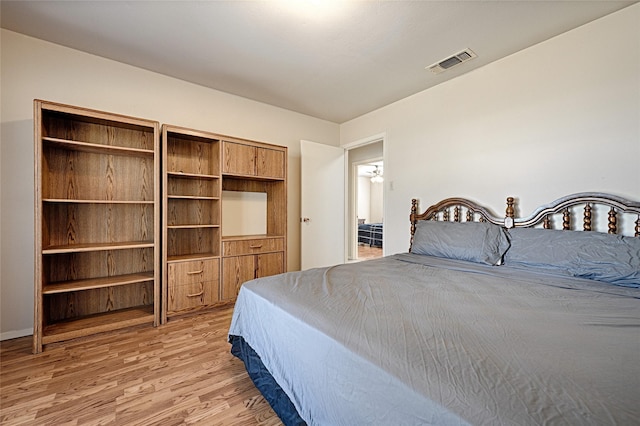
<point>330,59</point>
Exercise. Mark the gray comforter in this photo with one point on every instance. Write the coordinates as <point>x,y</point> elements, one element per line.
<point>414,340</point>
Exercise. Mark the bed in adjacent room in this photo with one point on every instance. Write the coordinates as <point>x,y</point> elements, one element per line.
<point>484,321</point>
<point>370,234</point>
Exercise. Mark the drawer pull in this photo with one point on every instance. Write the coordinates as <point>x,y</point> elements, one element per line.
<point>257,246</point>
<point>195,272</point>
<point>197,294</point>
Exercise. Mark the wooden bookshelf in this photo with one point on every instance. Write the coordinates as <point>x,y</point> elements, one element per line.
<point>97,222</point>
<point>191,214</point>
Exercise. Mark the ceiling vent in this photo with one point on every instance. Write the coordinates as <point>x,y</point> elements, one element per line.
<point>452,61</point>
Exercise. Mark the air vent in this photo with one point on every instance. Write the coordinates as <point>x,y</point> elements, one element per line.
<point>452,61</point>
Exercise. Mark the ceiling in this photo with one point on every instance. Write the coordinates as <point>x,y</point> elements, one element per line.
<point>330,59</point>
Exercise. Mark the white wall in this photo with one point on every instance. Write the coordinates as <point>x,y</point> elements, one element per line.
<point>377,202</point>
<point>557,118</point>
<point>364,199</point>
<point>31,68</point>
<point>370,200</point>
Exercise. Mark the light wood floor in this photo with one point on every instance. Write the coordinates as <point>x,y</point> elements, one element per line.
<point>178,373</point>
<point>366,252</point>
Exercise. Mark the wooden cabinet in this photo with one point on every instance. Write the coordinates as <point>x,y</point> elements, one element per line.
<point>239,159</point>
<point>192,284</point>
<point>246,258</point>
<point>191,215</point>
<point>253,159</point>
<point>97,222</point>
<point>201,267</point>
<point>270,163</point>
<point>255,167</point>
<point>129,231</point>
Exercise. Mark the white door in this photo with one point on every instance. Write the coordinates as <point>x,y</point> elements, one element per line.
<point>322,233</point>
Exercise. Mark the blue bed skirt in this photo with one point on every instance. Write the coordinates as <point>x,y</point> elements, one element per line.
<point>265,382</point>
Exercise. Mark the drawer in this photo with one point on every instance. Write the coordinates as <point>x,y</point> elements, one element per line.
<point>254,246</point>
<point>194,271</point>
<point>192,295</point>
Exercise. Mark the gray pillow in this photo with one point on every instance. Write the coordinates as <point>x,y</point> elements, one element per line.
<point>611,258</point>
<point>479,242</point>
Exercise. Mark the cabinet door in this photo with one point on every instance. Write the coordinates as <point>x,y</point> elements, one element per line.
<point>270,163</point>
<point>269,264</point>
<point>239,159</point>
<point>235,271</point>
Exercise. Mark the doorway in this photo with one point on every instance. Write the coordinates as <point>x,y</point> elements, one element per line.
<point>365,195</point>
<point>369,209</point>
<point>329,230</point>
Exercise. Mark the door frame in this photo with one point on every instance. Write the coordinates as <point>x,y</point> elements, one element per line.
<point>350,193</point>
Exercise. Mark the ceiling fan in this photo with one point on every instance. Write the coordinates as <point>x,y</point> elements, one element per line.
<point>377,175</point>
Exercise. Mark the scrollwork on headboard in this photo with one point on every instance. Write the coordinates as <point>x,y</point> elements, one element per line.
<point>592,203</point>
<point>454,209</point>
<point>589,202</point>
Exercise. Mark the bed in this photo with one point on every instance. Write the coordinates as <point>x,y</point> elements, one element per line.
<point>485,320</point>
<point>370,234</point>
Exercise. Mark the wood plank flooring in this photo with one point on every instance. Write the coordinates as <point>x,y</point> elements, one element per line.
<point>367,252</point>
<point>179,373</point>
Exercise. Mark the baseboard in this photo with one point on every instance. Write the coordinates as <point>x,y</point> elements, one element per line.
<point>16,333</point>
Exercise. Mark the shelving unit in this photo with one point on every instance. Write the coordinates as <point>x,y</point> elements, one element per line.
<point>202,268</point>
<point>97,222</point>
<point>112,251</point>
<point>192,215</point>
<point>249,166</point>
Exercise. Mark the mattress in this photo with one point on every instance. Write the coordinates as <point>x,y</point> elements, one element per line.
<point>410,339</point>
